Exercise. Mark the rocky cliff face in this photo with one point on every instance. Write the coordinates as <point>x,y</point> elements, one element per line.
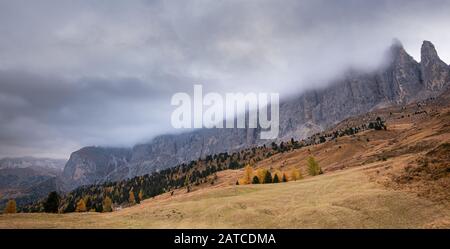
<point>401,80</point>
<point>93,164</point>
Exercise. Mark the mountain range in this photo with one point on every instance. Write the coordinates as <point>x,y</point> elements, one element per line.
<point>400,80</point>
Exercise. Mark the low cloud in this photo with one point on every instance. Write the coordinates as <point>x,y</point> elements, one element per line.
<point>102,72</point>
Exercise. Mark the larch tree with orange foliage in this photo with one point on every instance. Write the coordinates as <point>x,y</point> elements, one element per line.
<point>313,166</point>
<point>296,174</point>
<point>131,199</point>
<point>107,204</point>
<point>81,206</point>
<point>10,207</point>
<point>248,174</point>
<point>261,173</point>
<point>141,195</point>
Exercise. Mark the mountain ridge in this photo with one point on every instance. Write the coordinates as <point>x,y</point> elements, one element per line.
<point>402,80</point>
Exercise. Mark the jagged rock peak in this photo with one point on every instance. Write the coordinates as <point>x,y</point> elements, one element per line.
<point>398,54</point>
<point>428,51</point>
<point>434,72</point>
<point>396,44</point>
<point>397,47</point>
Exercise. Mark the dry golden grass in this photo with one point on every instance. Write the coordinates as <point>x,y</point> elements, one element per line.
<point>345,199</point>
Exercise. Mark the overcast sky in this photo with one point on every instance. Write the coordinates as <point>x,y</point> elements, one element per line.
<point>78,73</point>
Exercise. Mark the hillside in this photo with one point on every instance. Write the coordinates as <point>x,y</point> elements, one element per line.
<point>394,178</point>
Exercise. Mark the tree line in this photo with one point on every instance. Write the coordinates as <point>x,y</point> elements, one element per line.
<point>264,176</point>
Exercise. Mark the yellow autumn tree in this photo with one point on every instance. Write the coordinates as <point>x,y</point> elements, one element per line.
<point>131,199</point>
<point>107,204</point>
<point>248,175</point>
<point>313,166</point>
<point>299,174</point>
<point>261,173</point>
<point>141,195</point>
<point>296,174</point>
<point>81,206</point>
<point>10,207</point>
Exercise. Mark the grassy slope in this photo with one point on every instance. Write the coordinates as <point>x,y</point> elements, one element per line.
<point>345,199</point>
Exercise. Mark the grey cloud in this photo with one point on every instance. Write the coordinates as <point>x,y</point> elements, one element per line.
<point>41,111</point>
<point>76,73</point>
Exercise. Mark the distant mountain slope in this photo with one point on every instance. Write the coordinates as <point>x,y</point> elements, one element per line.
<point>26,179</point>
<point>33,162</point>
<point>401,80</point>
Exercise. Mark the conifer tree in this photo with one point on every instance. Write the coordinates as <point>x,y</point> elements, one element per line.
<point>52,203</point>
<point>267,177</point>
<point>276,179</point>
<point>98,207</point>
<point>255,180</point>
<point>284,179</point>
